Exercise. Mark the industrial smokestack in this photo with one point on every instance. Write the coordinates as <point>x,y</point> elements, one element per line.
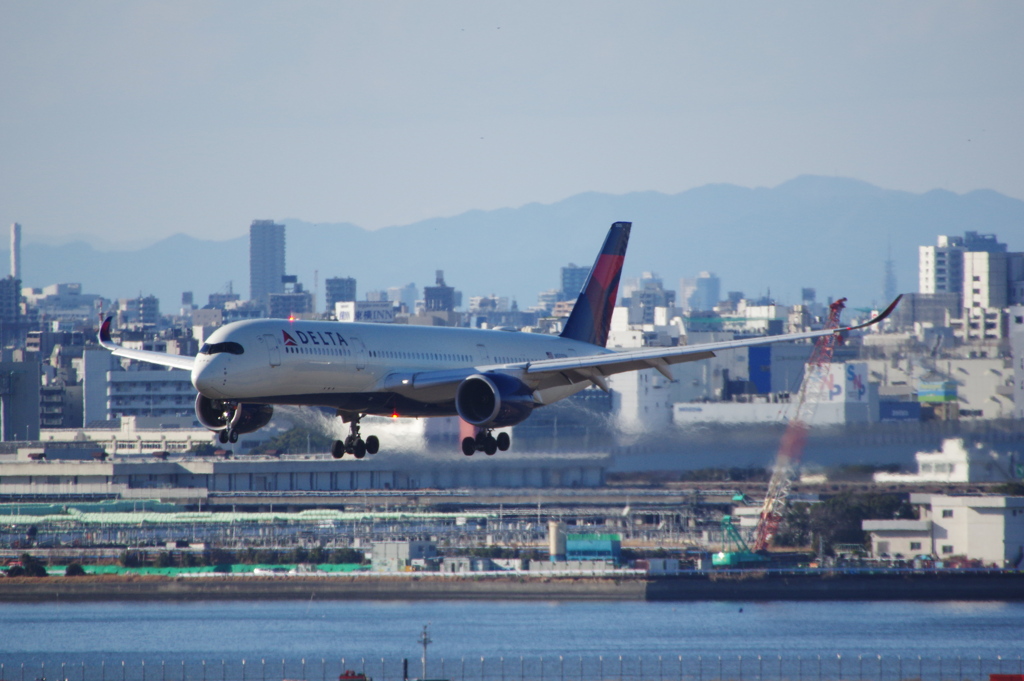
<point>16,250</point>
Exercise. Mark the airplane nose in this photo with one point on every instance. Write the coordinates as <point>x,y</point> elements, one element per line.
<point>208,377</point>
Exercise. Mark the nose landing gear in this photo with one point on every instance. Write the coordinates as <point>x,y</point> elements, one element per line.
<point>354,444</point>
<point>230,415</point>
<point>486,442</point>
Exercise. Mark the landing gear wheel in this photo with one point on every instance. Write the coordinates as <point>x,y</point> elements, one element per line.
<point>222,437</point>
<point>233,436</point>
<point>468,446</point>
<point>353,444</point>
<point>490,445</point>
<point>504,442</point>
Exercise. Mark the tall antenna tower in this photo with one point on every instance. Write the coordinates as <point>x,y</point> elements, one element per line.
<point>16,250</point>
<point>889,277</point>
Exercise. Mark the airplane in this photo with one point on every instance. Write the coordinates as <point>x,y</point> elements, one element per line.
<point>489,378</point>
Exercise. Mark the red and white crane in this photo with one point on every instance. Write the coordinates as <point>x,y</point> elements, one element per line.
<point>791,448</point>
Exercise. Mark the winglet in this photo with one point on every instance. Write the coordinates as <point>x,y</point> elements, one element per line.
<point>159,358</point>
<point>105,339</point>
<point>885,313</point>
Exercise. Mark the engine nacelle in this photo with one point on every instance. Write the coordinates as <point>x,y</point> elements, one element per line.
<point>241,418</point>
<point>493,400</point>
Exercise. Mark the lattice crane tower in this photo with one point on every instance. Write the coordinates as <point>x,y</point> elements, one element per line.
<point>791,448</point>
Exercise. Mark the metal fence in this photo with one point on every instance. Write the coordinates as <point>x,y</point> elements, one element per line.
<point>522,668</point>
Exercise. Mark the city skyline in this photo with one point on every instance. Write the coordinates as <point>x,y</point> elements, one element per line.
<point>136,121</point>
<point>739,234</point>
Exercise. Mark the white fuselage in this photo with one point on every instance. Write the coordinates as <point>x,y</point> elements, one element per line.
<point>353,366</point>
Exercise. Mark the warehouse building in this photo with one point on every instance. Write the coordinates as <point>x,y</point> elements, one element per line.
<point>986,528</point>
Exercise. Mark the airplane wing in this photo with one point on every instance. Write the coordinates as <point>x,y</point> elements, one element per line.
<point>161,358</point>
<point>596,367</point>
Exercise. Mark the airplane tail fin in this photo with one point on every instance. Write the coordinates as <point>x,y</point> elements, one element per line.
<point>592,315</point>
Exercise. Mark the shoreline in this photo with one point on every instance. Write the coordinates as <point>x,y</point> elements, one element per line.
<point>753,586</point>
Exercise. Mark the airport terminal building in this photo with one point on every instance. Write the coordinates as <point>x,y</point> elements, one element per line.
<point>34,474</point>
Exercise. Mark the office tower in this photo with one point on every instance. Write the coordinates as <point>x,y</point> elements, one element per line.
<point>339,290</point>
<point>439,298</point>
<point>266,260</point>
<point>573,280</point>
<point>404,296</point>
<point>706,293</point>
<point>941,267</point>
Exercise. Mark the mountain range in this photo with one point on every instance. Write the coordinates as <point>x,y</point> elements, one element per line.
<point>831,234</point>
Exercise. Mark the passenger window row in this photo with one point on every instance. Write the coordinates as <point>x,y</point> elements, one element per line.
<point>436,356</point>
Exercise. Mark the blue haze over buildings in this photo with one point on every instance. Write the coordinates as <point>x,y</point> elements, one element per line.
<point>947,362</point>
<point>971,288</point>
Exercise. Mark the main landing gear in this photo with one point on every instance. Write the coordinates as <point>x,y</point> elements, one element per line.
<point>353,444</point>
<point>486,443</point>
<point>227,435</point>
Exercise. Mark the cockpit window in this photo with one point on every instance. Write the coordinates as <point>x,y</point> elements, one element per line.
<point>215,348</point>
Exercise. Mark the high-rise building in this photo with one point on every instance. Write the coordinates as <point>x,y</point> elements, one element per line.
<point>707,293</point>
<point>20,387</point>
<point>10,309</point>
<point>889,287</point>
<point>287,305</point>
<point>439,298</point>
<point>266,260</point>
<point>294,301</point>
<point>404,296</point>
<point>339,290</point>
<point>643,295</point>
<point>573,280</point>
<point>941,267</point>
<point>1015,272</point>
<point>985,279</point>
<point>142,311</point>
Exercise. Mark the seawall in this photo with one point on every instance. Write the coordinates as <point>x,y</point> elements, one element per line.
<point>325,588</point>
<point>836,586</point>
<point>750,586</point>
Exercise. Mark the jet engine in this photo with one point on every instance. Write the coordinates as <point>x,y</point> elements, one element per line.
<point>493,400</point>
<point>239,417</point>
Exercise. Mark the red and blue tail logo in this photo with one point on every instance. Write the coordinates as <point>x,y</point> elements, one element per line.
<point>592,315</point>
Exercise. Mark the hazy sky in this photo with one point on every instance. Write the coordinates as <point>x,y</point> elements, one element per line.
<point>137,120</point>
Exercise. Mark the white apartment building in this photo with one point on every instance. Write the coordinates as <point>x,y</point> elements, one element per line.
<point>150,393</point>
<point>958,462</point>
<point>989,528</point>
<point>986,292</point>
<point>940,267</point>
<point>986,279</point>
